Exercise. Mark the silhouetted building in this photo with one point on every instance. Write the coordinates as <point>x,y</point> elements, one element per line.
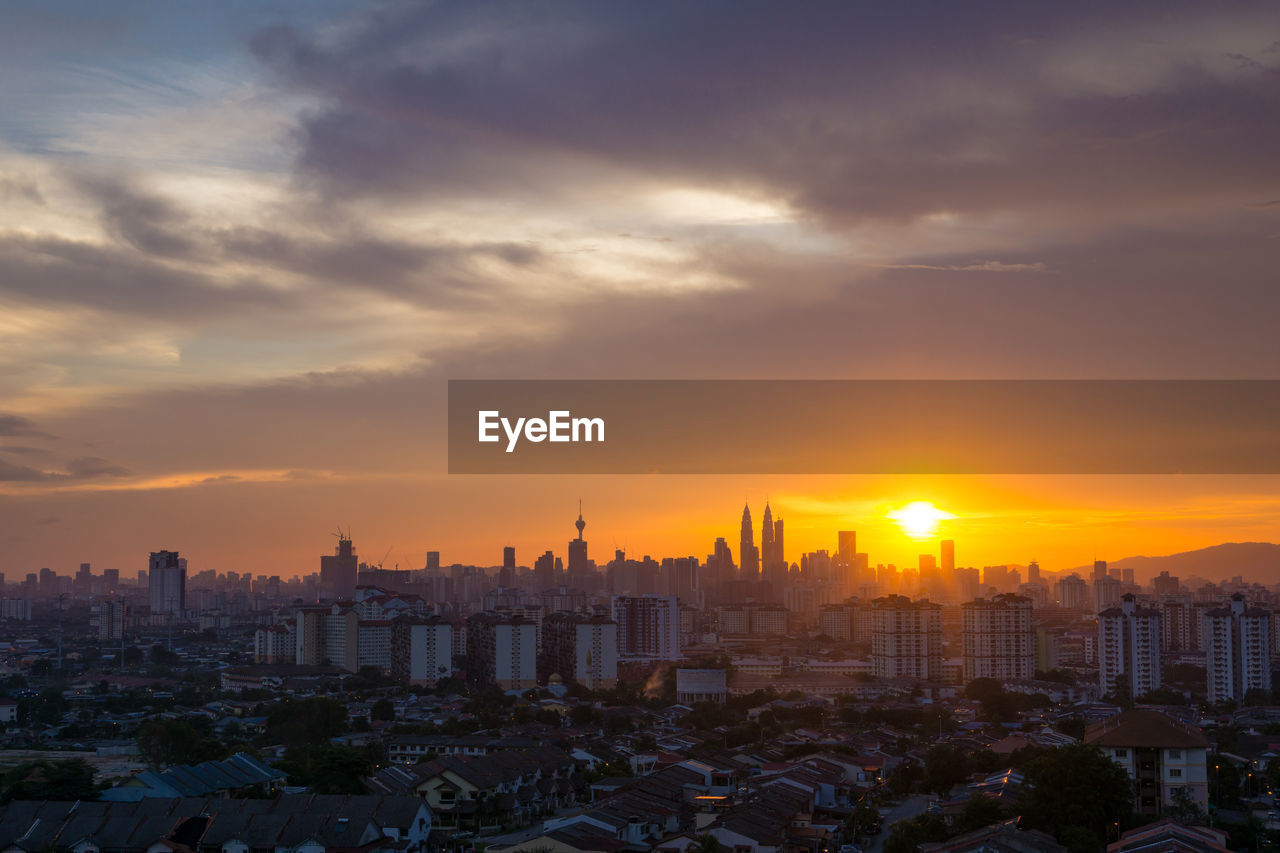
<point>166,582</point>
<point>339,572</point>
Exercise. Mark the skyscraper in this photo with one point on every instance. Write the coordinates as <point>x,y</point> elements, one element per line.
<point>1129,648</point>
<point>748,554</point>
<point>507,576</point>
<point>167,582</point>
<point>338,571</point>
<point>766,539</point>
<point>648,626</point>
<point>906,639</point>
<point>948,557</point>
<point>1239,650</point>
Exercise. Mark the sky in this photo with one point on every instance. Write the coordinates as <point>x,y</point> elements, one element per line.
<point>243,248</point>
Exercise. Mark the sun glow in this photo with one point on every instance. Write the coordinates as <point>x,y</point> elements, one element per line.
<point>919,519</point>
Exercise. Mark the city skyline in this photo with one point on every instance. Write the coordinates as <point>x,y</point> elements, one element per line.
<point>928,553</point>
<point>242,253</point>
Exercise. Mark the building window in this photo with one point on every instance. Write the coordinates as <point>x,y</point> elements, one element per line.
<point>1175,754</point>
<point>1175,773</point>
<point>1122,753</point>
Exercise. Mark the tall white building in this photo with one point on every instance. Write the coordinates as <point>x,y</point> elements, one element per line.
<point>999,638</point>
<point>422,652</point>
<point>109,619</point>
<point>327,634</point>
<point>906,638</point>
<point>167,582</point>
<point>1129,648</point>
<point>648,626</point>
<point>580,648</point>
<point>1238,657</point>
<point>502,651</point>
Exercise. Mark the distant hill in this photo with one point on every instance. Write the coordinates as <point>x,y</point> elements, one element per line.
<point>1254,561</point>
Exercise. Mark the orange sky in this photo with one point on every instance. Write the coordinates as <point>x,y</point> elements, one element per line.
<point>282,527</point>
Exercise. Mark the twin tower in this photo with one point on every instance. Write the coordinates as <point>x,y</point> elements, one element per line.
<point>768,557</point>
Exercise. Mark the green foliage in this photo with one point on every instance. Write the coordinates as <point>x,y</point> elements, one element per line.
<point>1184,809</point>
<point>1224,783</point>
<point>163,742</point>
<point>329,769</point>
<point>705,844</point>
<point>944,767</point>
<point>163,657</point>
<point>306,722</point>
<point>1061,676</point>
<point>1076,786</point>
<point>49,780</point>
<point>904,778</point>
<point>980,811</point>
<point>383,709</point>
<point>906,836</point>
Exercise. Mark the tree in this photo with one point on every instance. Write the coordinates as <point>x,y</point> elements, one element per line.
<point>906,836</point>
<point>383,709</point>
<point>705,843</point>
<point>861,820</point>
<point>944,767</point>
<point>163,657</point>
<point>1076,786</point>
<point>306,721</point>
<point>980,811</point>
<point>49,780</point>
<point>329,769</point>
<point>163,742</point>
<point>1184,809</point>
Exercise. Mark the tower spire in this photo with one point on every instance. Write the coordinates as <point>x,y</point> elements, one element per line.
<point>580,524</point>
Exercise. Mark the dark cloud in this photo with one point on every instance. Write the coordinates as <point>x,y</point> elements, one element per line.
<point>849,113</point>
<point>82,468</point>
<point>147,222</point>
<point>122,280</point>
<point>423,272</point>
<point>18,425</point>
<point>87,467</point>
<point>16,188</point>
<point>23,450</point>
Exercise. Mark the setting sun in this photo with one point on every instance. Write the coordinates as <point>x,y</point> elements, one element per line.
<point>919,519</point>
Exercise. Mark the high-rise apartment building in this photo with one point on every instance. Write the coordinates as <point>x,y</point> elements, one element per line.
<point>167,582</point>
<point>109,619</point>
<point>999,638</point>
<point>502,651</point>
<point>1166,584</point>
<point>1238,654</point>
<point>1072,592</point>
<point>581,649</point>
<point>906,638</point>
<point>1106,592</point>
<point>1129,648</point>
<point>421,650</point>
<point>648,626</point>
<point>327,634</point>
